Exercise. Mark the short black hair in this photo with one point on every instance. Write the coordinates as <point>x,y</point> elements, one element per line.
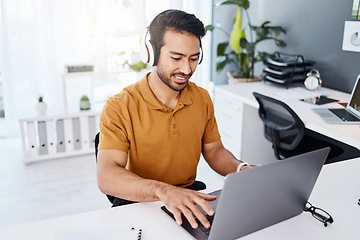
<point>175,20</point>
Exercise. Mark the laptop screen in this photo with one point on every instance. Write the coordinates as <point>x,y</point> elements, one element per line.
<point>354,104</point>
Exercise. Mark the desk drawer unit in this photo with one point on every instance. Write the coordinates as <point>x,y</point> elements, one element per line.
<point>228,114</point>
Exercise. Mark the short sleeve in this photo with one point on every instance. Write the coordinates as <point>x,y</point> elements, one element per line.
<point>113,123</point>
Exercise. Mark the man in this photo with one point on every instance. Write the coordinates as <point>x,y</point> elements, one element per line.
<point>153,132</point>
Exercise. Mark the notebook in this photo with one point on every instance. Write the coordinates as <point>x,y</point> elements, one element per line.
<point>263,196</point>
<point>348,115</point>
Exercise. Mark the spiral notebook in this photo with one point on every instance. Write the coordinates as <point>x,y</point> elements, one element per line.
<point>127,234</point>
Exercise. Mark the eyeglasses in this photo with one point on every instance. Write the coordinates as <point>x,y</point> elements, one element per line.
<point>319,214</point>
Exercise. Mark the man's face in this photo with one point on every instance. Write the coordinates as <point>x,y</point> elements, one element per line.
<point>178,59</point>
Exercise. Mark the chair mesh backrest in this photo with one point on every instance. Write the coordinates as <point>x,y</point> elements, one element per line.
<point>281,120</point>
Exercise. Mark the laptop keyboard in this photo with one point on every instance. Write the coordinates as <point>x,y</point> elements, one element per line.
<point>344,115</point>
<point>201,227</point>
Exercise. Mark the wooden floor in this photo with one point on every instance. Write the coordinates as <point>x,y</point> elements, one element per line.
<point>54,188</point>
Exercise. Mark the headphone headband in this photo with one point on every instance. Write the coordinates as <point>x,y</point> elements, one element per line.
<point>148,53</point>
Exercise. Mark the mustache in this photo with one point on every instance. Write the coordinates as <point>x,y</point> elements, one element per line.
<point>182,74</point>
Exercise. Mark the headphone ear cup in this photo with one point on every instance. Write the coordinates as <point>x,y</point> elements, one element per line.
<point>144,55</point>
<point>151,53</point>
<point>200,55</point>
<point>147,53</point>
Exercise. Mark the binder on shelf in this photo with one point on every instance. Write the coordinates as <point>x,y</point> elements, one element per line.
<point>43,147</point>
<point>84,128</point>
<point>60,143</point>
<point>92,131</point>
<point>58,136</point>
<point>31,137</point>
<point>68,133</point>
<point>76,133</point>
<point>51,139</point>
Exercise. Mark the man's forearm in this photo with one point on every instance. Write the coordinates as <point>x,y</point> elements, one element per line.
<point>124,184</point>
<point>223,161</point>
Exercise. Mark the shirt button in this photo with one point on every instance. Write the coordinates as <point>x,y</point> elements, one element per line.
<point>174,126</point>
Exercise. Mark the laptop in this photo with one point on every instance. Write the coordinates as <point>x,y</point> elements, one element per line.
<point>260,197</point>
<point>348,115</point>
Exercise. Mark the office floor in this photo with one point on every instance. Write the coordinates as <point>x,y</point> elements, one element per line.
<point>55,188</point>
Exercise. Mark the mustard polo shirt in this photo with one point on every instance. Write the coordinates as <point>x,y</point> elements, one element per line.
<point>163,144</point>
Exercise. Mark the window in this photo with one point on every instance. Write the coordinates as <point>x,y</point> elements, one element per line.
<point>39,38</point>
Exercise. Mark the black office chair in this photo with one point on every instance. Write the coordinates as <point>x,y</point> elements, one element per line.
<point>288,135</point>
<point>197,185</point>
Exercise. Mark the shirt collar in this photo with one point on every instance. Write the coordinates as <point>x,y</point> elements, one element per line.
<point>154,103</point>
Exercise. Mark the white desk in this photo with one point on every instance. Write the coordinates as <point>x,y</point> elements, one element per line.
<point>252,125</point>
<point>336,191</point>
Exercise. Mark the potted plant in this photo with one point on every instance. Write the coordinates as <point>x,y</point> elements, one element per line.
<point>84,103</point>
<point>41,106</point>
<point>240,49</point>
<point>135,62</point>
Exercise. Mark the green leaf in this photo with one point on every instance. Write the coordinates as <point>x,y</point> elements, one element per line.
<point>263,56</point>
<point>241,3</point>
<point>221,48</point>
<point>280,43</point>
<point>265,23</point>
<point>209,28</point>
<point>220,65</point>
<point>243,43</point>
<point>84,98</point>
<point>138,66</point>
<point>234,41</point>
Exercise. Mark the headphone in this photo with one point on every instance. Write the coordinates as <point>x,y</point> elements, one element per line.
<point>148,53</point>
<point>313,80</point>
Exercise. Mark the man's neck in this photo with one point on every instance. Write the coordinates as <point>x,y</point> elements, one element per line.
<point>165,94</point>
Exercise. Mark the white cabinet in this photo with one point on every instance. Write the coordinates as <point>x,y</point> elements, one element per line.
<point>240,127</point>
<point>49,137</point>
<point>229,117</point>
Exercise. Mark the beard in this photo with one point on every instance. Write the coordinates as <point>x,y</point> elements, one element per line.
<point>172,84</point>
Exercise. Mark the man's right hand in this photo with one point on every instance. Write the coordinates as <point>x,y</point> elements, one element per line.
<point>111,168</point>
<point>183,201</point>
